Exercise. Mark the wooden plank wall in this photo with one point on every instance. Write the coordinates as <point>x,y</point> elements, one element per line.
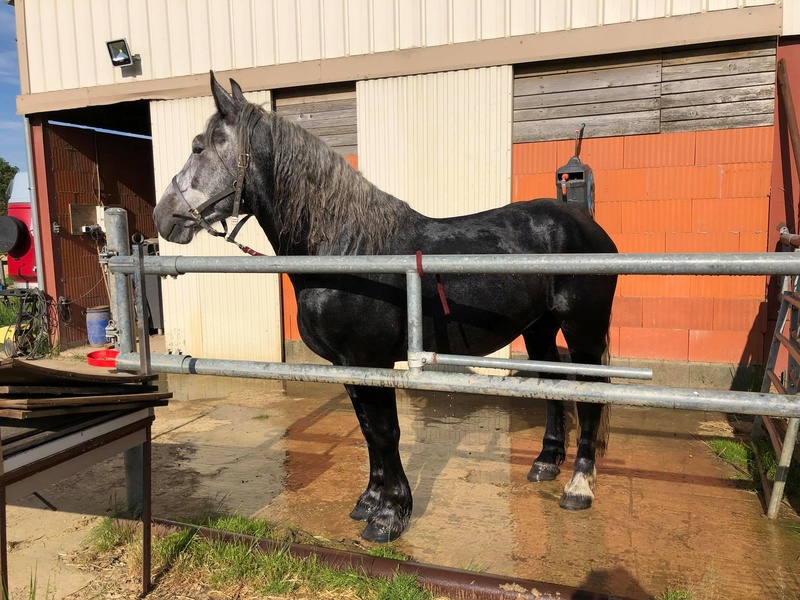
<point>688,90</point>
<point>328,113</point>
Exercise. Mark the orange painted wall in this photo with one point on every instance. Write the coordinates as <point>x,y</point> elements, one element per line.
<point>705,191</point>
<point>290,331</point>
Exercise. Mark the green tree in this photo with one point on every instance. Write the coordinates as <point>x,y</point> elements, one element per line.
<point>7,173</point>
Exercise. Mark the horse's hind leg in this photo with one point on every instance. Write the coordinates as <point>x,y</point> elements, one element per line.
<point>386,503</point>
<point>587,342</point>
<point>540,341</point>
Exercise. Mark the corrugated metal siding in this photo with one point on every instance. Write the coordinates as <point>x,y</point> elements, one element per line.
<point>66,39</point>
<point>441,142</point>
<point>791,17</point>
<point>211,315</point>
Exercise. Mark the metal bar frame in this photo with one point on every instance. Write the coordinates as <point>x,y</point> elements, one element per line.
<point>121,264</point>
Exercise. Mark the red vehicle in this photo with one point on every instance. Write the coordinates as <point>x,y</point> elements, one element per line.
<point>16,235</point>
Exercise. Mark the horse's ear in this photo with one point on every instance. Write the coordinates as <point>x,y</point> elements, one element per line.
<point>238,94</point>
<point>224,101</point>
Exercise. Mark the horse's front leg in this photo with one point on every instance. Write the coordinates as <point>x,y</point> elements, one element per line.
<point>546,466</point>
<point>386,503</point>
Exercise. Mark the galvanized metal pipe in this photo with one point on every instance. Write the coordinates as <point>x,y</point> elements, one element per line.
<point>414,308</point>
<point>756,263</point>
<point>539,366</point>
<point>141,309</point>
<point>751,403</point>
<point>117,237</point>
<point>782,472</point>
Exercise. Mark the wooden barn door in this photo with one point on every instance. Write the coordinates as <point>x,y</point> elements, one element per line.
<point>87,169</point>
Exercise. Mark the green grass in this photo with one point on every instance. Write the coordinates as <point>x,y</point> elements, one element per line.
<point>674,593</point>
<point>387,551</point>
<point>262,416</point>
<point>111,533</point>
<point>733,451</point>
<point>741,455</point>
<point>9,307</point>
<point>184,556</point>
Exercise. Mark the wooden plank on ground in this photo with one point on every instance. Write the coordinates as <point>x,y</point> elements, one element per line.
<point>24,414</point>
<point>13,370</point>
<point>81,400</point>
<point>74,390</point>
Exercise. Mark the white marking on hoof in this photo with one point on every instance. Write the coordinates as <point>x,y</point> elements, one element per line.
<point>581,484</point>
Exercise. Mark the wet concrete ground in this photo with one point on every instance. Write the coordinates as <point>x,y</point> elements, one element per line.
<point>667,513</point>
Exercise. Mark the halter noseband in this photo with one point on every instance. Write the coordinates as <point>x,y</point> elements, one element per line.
<point>234,190</point>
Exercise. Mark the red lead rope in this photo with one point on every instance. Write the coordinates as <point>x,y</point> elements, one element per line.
<point>439,285</point>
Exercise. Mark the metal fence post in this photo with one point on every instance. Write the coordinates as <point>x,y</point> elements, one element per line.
<point>118,244</point>
<point>414,309</point>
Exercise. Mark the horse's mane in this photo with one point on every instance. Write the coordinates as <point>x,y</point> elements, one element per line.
<point>322,202</point>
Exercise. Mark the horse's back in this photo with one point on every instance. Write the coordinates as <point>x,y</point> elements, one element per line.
<point>543,226</point>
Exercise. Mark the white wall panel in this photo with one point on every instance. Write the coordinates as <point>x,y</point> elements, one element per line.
<point>334,28</point>
<point>212,315</point>
<point>791,17</point>
<point>441,142</point>
<point>66,38</point>
<point>309,20</point>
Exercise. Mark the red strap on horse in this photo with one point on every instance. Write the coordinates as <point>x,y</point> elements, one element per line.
<point>439,285</point>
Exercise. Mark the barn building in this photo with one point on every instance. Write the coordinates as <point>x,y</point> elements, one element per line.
<point>453,106</point>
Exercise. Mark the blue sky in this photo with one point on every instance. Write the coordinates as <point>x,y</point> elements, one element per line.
<point>12,138</point>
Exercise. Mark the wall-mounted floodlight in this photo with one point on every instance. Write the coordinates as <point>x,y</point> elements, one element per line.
<point>120,53</point>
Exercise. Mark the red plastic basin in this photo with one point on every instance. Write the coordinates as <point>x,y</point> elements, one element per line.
<point>103,358</point>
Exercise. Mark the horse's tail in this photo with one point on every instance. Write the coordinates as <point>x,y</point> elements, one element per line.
<point>604,430</point>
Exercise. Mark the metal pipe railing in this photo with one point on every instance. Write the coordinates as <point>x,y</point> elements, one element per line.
<point>536,366</point>
<point>756,263</point>
<point>416,378</point>
<point>520,387</point>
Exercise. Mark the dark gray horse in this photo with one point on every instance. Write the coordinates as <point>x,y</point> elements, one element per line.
<point>310,201</point>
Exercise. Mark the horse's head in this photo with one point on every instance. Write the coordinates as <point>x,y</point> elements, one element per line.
<point>203,192</point>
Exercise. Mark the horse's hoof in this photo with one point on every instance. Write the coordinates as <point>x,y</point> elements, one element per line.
<point>361,512</point>
<point>379,534</point>
<point>575,502</point>
<point>543,472</point>
<point>384,526</point>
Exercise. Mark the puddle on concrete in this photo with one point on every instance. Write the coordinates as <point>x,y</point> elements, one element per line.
<point>667,513</point>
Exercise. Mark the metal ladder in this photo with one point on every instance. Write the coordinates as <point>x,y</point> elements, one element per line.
<point>789,313</point>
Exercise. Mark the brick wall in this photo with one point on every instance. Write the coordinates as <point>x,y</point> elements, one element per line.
<point>704,191</point>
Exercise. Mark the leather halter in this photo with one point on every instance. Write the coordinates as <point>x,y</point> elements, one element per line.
<point>234,190</point>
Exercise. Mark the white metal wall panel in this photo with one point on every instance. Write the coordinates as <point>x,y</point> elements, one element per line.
<point>66,39</point>
<point>791,17</point>
<point>441,142</point>
<point>212,315</point>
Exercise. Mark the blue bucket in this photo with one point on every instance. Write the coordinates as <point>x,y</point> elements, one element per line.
<point>97,318</point>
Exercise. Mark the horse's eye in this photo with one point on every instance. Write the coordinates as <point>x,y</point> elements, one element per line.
<point>197,149</point>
